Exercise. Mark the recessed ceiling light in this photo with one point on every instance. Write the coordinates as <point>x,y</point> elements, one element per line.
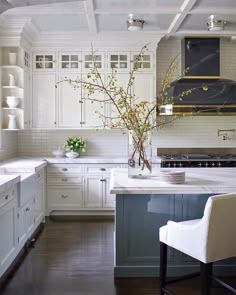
<point>215,24</point>
<point>134,24</point>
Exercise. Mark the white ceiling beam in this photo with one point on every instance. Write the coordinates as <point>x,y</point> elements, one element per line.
<point>134,11</point>
<point>215,11</point>
<point>179,18</point>
<point>91,19</point>
<point>205,33</point>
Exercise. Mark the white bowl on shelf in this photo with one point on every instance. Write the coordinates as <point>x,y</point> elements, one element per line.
<point>12,101</point>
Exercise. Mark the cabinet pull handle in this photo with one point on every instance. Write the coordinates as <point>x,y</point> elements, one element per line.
<point>64,179</point>
<point>101,179</point>
<point>27,209</point>
<point>102,169</point>
<point>64,169</point>
<point>64,196</point>
<point>6,197</point>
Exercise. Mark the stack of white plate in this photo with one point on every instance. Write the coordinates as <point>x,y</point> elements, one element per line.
<point>172,176</point>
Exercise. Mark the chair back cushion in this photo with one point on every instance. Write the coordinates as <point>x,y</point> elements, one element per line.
<point>220,215</point>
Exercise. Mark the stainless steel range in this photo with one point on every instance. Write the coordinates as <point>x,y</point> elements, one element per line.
<point>197,158</point>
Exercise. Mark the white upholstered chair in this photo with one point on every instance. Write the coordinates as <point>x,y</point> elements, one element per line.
<point>209,239</point>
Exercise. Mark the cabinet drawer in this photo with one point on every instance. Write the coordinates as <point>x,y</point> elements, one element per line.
<point>65,198</point>
<point>99,169</point>
<point>6,197</point>
<point>64,180</point>
<point>65,169</point>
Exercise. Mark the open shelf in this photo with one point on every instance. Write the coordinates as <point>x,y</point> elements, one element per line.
<point>11,67</point>
<point>12,87</point>
<point>7,108</point>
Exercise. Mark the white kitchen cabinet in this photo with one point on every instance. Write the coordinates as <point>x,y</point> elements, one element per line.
<point>108,198</point>
<point>89,61</point>
<point>92,110</point>
<point>143,87</point>
<point>118,61</point>
<point>44,100</point>
<point>97,181</point>
<point>64,198</point>
<point>39,204</point>
<point>144,63</point>
<point>29,215</point>
<point>70,104</point>
<point>44,61</point>
<point>8,245</point>
<point>70,61</point>
<point>93,191</point>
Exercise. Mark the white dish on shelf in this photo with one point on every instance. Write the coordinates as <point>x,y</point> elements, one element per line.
<point>12,101</point>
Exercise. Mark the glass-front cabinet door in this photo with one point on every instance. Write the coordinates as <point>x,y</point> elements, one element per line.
<point>70,61</point>
<point>119,61</point>
<point>44,61</point>
<point>143,62</point>
<point>89,61</point>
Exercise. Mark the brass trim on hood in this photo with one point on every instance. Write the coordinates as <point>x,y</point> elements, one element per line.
<point>202,77</point>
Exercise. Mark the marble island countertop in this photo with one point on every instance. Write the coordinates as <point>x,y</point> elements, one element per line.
<point>8,181</point>
<point>197,180</point>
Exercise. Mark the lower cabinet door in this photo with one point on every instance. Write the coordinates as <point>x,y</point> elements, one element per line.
<point>39,202</point>
<point>29,217</point>
<point>64,198</point>
<point>8,243</point>
<point>21,227</point>
<point>108,198</point>
<point>93,191</point>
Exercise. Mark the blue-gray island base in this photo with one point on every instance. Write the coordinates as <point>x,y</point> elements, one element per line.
<point>137,222</point>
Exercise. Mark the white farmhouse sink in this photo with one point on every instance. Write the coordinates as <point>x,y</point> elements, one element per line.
<point>27,185</point>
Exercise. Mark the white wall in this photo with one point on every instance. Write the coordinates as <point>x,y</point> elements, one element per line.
<point>9,145</point>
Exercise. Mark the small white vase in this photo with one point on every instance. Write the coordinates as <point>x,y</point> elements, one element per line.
<point>12,80</point>
<point>72,155</point>
<point>12,122</point>
<point>12,58</point>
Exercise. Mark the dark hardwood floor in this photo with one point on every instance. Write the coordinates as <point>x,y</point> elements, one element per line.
<point>76,258</point>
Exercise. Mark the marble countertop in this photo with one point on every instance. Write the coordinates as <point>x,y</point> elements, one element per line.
<point>8,181</point>
<point>197,180</point>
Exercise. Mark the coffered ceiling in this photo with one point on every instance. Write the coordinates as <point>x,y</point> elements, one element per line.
<point>98,17</point>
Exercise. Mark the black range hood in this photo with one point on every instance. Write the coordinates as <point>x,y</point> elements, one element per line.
<point>218,96</point>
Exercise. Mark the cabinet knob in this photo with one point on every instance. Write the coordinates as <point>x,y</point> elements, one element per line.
<point>64,169</point>
<point>6,197</point>
<point>27,209</point>
<point>102,169</point>
<point>64,179</point>
<point>101,179</point>
<point>64,196</point>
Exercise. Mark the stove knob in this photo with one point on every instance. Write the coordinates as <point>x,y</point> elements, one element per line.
<point>168,164</point>
<point>206,164</point>
<point>174,165</point>
<point>180,164</point>
<point>199,164</point>
<point>219,164</point>
<point>213,164</point>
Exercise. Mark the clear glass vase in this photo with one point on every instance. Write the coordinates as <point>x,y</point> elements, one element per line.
<point>140,155</point>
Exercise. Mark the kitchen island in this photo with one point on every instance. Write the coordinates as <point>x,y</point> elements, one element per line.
<point>144,205</point>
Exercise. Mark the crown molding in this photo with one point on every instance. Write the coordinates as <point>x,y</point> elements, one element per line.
<point>78,39</point>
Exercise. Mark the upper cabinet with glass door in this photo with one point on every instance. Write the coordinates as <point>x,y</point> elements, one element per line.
<point>119,61</point>
<point>143,63</point>
<point>44,61</point>
<point>70,61</point>
<point>90,61</point>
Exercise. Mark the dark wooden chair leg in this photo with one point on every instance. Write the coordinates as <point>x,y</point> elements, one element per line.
<point>163,266</point>
<point>206,271</point>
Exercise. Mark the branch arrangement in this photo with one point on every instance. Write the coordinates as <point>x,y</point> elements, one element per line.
<point>128,111</point>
